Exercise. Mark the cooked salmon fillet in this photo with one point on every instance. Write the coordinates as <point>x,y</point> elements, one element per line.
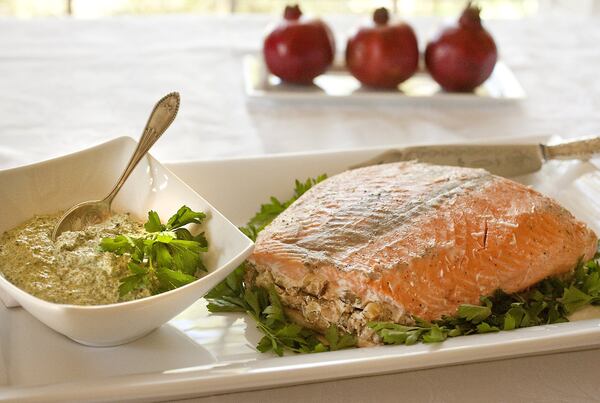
<point>395,241</point>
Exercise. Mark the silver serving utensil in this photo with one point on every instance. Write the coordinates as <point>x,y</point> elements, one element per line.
<point>500,159</point>
<point>91,212</point>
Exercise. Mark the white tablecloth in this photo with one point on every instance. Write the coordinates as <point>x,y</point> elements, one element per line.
<point>68,84</point>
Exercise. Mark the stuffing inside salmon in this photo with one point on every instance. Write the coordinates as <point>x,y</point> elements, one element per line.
<point>398,241</point>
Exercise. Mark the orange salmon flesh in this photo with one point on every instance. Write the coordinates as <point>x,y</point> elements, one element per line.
<point>395,241</point>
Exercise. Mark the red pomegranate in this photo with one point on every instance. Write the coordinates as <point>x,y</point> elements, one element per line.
<point>383,55</point>
<point>297,50</point>
<point>462,56</point>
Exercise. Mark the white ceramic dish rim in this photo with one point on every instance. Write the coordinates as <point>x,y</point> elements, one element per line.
<point>5,283</point>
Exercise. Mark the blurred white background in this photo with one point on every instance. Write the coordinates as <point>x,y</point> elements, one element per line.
<point>509,9</point>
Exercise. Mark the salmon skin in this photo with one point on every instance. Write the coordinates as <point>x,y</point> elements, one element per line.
<point>397,241</point>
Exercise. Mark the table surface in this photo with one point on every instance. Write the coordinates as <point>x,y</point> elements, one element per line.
<point>68,84</point>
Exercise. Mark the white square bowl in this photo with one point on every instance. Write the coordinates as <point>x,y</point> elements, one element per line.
<point>50,186</point>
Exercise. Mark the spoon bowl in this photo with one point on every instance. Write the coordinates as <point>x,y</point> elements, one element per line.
<point>83,215</point>
<point>92,212</point>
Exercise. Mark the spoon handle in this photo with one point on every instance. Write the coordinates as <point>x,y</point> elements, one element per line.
<point>160,119</point>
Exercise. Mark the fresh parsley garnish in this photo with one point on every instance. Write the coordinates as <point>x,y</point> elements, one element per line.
<point>264,306</point>
<point>167,257</point>
<point>549,301</point>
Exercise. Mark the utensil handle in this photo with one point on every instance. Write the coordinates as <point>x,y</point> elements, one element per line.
<point>160,119</point>
<point>577,149</point>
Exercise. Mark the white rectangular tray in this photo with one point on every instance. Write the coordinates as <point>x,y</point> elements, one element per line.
<point>337,85</point>
<point>201,354</point>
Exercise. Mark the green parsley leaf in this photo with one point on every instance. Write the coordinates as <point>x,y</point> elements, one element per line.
<point>118,245</point>
<point>573,298</point>
<point>274,312</point>
<point>251,298</point>
<point>319,348</point>
<point>455,332</point>
<point>392,333</point>
<point>592,281</point>
<point>163,259</point>
<point>265,344</point>
<point>485,327</point>
<point>171,279</point>
<point>226,304</point>
<point>474,313</point>
<point>338,339</point>
<point>135,281</point>
<point>184,216</point>
<point>514,317</point>
<point>162,255</point>
<point>131,283</point>
<point>435,334</point>
<point>153,224</point>
<point>185,235</point>
<point>137,268</point>
<point>225,296</point>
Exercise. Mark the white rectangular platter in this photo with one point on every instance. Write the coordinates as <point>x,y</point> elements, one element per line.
<point>338,85</point>
<point>200,354</point>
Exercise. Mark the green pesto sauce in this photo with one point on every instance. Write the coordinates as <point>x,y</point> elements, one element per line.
<point>73,270</point>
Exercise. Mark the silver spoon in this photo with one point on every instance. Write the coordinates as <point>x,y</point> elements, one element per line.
<point>96,211</point>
